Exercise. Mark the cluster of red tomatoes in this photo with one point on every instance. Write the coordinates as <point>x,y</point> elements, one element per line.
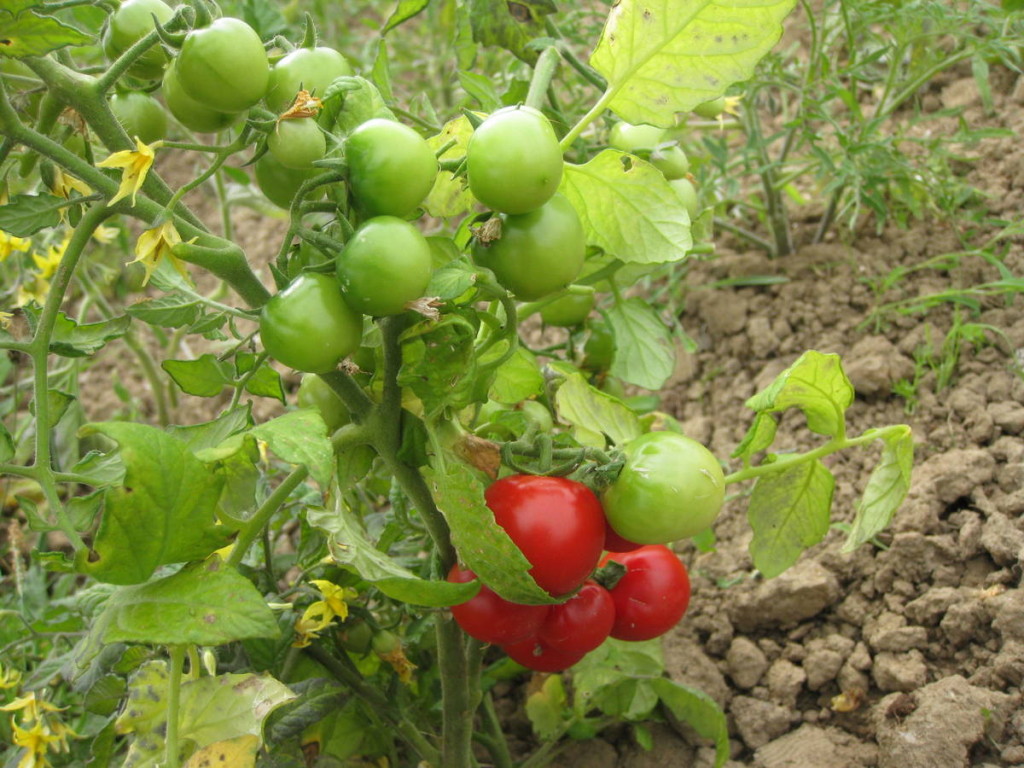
<point>619,588</point>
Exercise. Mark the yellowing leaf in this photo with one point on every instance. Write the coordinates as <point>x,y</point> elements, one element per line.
<point>232,753</point>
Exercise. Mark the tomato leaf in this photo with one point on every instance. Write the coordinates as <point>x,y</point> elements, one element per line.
<point>204,377</point>
<point>210,434</point>
<point>25,215</point>
<point>73,340</point>
<point>665,56</point>
<point>510,25</point>
<point>587,407</point>
<point>206,603</point>
<point>482,544</point>
<point>517,379</point>
<point>760,436</point>
<point>164,512</point>
<point>789,512</point>
<point>239,752</point>
<point>628,208</point>
<point>886,488</point>
<point>817,385</point>
<point>349,546</point>
<point>644,354</point>
<point>300,437</point>
<point>698,710</point>
<point>173,310</point>
<point>404,11</point>
<point>450,195</point>
<point>438,363</point>
<point>546,708</point>
<point>26,34</point>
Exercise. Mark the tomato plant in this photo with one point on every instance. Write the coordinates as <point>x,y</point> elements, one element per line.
<point>490,618</point>
<point>513,161</point>
<point>308,326</point>
<point>651,596</point>
<point>670,487</point>
<point>223,66</point>
<point>391,168</point>
<point>537,253</point>
<point>297,143</point>
<point>132,20</point>
<point>140,114</point>
<point>557,523</point>
<point>189,112</point>
<point>385,265</point>
<point>309,69</point>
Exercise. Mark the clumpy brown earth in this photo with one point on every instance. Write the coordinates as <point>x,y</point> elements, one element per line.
<point>908,653</point>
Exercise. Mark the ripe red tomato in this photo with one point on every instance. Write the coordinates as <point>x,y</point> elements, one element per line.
<point>615,543</point>
<point>652,595</point>
<point>581,623</point>
<point>491,618</point>
<point>557,523</point>
<point>536,655</point>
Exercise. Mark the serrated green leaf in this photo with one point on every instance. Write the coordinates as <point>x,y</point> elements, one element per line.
<point>204,377</point>
<point>546,708</point>
<point>644,354</point>
<point>210,434</point>
<point>517,379</point>
<point>25,215</point>
<point>482,544</point>
<point>73,340</point>
<point>173,310</point>
<point>759,437</point>
<point>350,546</point>
<point>450,195</point>
<point>57,405</point>
<point>438,362</point>
<point>698,710</point>
<point>584,406</point>
<point>28,34</point>
<point>404,11</point>
<point>789,512</point>
<point>886,488</point>
<point>266,382</point>
<point>509,25</point>
<point>164,512</point>
<point>100,469</point>
<point>628,209</point>
<point>481,88</point>
<point>817,385</point>
<point>300,437</point>
<point>665,56</point>
<point>452,280</point>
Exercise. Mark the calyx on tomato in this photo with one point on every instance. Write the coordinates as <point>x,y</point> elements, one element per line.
<point>308,69</point>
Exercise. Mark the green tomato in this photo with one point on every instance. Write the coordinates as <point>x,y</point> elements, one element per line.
<point>314,393</point>
<point>278,183</point>
<point>569,310</point>
<point>710,110</point>
<point>599,348</point>
<point>309,69</point>
<point>670,487</point>
<point>391,168</point>
<point>223,66</point>
<point>140,114</point>
<point>671,160</point>
<point>383,266</point>
<point>132,21</point>
<point>513,161</point>
<point>308,326</point>
<point>687,193</point>
<point>539,252</point>
<point>634,138</point>
<point>189,112</point>
<point>297,143</point>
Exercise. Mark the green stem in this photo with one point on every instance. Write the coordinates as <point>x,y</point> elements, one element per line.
<point>587,119</point>
<point>497,745</point>
<point>832,446</point>
<point>457,729</point>
<point>173,704</point>
<point>543,72</point>
<point>267,509</point>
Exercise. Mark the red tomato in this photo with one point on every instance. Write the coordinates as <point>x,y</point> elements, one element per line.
<point>581,623</point>
<point>557,523</point>
<point>491,618</point>
<point>536,655</point>
<point>652,595</point>
<point>615,543</point>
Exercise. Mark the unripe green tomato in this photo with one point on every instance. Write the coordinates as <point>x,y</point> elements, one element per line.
<point>391,168</point>
<point>599,348</point>
<point>309,69</point>
<point>384,265</point>
<point>539,252</point>
<point>569,310</point>
<point>513,161</point>
<point>297,143</point>
<point>709,110</point>
<point>308,326</point>
<point>671,487</point>
<point>140,114</point>
<point>687,193</point>
<point>278,183</point>
<point>224,66</point>
<point>189,112</point>
<point>634,138</point>
<point>671,160</point>
<point>355,636</point>
<point>314,393</point>
<point>132,21</point>
<point>385,642</point>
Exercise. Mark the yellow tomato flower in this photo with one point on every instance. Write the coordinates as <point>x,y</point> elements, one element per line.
<point>319,615</point>
<point>30,707</point>
<point>10,244</point>
<point>155,244</point>
<point>334,596</point>
<point>136,164</point>
<point>104,235</point>
<point>64,184</point>
<point>48,264</point>
<point>36,742</point>
<point>9,678</point>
